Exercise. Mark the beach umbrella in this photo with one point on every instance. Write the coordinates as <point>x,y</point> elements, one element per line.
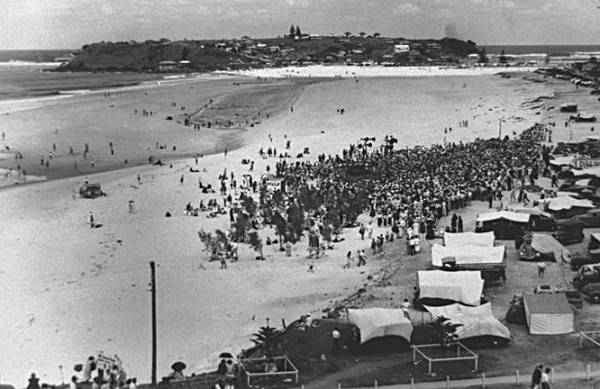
<point>178,366</point>
<point>225,355</point>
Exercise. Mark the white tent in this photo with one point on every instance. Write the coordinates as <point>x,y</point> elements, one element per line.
<point>567,202</point>
<point>562,161</point>
<point>545,244</point>
<point>591,171</point>
<point>468,255</point>
<point>378,322</point>
<point>507,215</point>
<point>548,314</point>
<point>485,239</point>
<point>460,286</point>
<point>530,211</point>
<point>476,321</point>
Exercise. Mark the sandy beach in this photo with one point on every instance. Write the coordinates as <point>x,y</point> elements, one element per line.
<point>72,290</point>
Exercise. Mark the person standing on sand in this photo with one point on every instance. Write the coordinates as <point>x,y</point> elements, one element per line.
<point>349,260</point>
<point>536,377</point>
<point>91,220</point>
<point>336,340</point>
<point>541,266</point>
<point>362,258</point>
<point>34,382</point>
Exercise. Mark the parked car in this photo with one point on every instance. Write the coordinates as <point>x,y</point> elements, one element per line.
<point>587,274</point>
<point>91,191</point>
<point>592,292</point>
<point>568,231</point>
<point>590,219</point>
<point>579,260</point>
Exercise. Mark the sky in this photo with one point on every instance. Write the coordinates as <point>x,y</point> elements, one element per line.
<point>61,24</point>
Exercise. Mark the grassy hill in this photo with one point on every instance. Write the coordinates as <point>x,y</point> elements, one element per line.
<point>208,55</point>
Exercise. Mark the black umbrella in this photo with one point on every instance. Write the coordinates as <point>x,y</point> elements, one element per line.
<point>225,355</point>
<point>178,366</point>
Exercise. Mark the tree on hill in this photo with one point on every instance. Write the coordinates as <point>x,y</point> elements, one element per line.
<point>256,243</point>
<point>483,58</point>
<point>362,34</point>
<point>292,30</point>
<point>281,226</point>
<point>445,331</point>
<point>239,227</point>
<point>296,219</point>
<point>267,339</point>
<point>298,33</point>
<point>502,58</point>
<point>213,243</point>
<point>347,34</point>
<point>376,35</point>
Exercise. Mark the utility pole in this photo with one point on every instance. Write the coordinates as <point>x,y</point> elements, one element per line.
<point>153,291</point>
<point>500,129</point>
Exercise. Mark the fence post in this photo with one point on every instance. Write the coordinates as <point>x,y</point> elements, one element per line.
<point>447,382</point>
<point>552,375</point>
<point>412,383</point>
<point>518,381</point>
<point>483,379</point>
<point>587,372</point>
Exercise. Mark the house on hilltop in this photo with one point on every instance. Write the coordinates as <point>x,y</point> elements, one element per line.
<point>167,66</point>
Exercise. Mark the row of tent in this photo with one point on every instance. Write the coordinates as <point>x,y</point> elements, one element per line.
<point>457,295</point>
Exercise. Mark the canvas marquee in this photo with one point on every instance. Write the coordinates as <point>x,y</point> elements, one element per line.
<point>485,239</point>
<point>546,244</point>
<point>568,202</point>
<point>548,314</point>
<point>460,286</point>
<point>506,215</point>
<point>476,321</point>
<point>468,254</point>
<point>379,322</point>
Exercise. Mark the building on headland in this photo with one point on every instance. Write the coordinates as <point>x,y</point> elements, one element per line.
<point>398,49</point>
<point>167,66</point>
<point>65,58</point>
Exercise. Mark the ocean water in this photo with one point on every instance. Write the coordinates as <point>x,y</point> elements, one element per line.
<point>28,73</point>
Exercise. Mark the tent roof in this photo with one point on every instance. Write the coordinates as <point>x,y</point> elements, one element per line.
<point>530,211</point>
<point>485,239</point>
<point>476,321</point>
<point>567,202</point>
<point>467,255</point>
<point>507,215</point>
<point>378,322</point>
<point>561,161</point>
<point>591,171</point>
<point>461,286</point>
<point>547,244</point>
<point>547,303</point>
